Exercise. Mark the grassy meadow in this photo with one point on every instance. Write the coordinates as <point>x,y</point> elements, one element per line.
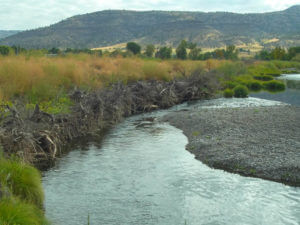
<point>47,80</point>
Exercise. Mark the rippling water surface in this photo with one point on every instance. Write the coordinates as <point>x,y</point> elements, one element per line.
<point>141,174</point>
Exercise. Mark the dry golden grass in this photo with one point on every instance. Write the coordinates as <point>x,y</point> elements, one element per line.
<point>111,48</point>
<point>43,78</point>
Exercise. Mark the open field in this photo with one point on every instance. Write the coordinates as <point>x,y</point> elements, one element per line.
<point>48,80</point>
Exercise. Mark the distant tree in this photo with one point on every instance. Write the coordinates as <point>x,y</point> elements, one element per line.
<point>219,54</point>
<point>263,55</point>
<point>18,49</point>
<point>206,55</point>
<point>133,47</point>
<point>278,53</point>
<point>231,52</point>
<point>191,45</point>
<point>4,50</point>
<point>181,52</point>
<point>54,51</point>
<point>195,54</point>
<point>293,51</point>
<point>164,53</point>
<point>150,50</point>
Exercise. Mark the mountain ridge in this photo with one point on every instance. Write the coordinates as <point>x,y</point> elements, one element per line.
<point>207,29</point>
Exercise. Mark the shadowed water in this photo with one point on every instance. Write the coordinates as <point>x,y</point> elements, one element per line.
<point>141,174</point>
<point>291,95</point>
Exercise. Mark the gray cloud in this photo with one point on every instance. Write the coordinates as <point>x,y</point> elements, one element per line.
<point>28,14</point>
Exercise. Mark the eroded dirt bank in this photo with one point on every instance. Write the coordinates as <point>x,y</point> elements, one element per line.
<point>260,142</point>
<point>39,138</point>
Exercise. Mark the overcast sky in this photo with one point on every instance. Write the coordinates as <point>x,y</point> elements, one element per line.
<point>28,14</point>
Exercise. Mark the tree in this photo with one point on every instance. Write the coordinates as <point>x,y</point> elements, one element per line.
<point>191,45</point>
<point>181,52</point>
<point>219,54</point>
<point>4,50</point>
<point>133,47</point>
<point>150,50</point>
<point>263,55</point>
<point>18,49</point>
<point>164,53</point>
<point>231,52</point>
<point>293,51</point>
<point>194,53</point>
<point>54,51</point>
<point>278,53</point>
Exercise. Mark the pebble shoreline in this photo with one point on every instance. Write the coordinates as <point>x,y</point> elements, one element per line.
<point>259,142</point>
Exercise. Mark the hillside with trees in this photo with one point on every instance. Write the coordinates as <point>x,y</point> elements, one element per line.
<point>7,33</point>
<point>214,29</point>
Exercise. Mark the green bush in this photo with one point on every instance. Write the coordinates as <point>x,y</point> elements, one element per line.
<point>231,84</point>
<point>254,86</point>
<point>22,180</point>
<point>133,47</point>
<point>274,86</point>
<point>16,212</point>
<point>228,93</point>
<point>263,77</point>
<point>241,91</point>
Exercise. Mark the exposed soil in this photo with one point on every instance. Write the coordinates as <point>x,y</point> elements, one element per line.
<point>260,142</point>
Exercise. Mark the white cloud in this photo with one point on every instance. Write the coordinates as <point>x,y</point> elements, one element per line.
<point>28,14</point>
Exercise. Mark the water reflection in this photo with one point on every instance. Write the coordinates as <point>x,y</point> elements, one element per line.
<point>291,95</point>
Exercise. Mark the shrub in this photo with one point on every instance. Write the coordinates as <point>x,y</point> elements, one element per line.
<point>254,86</point>
<point>228,93</point>
<point>240,91</point>
<point>181,52</point>
<point>274,86</point>
<point>4,50</point>
<point>150,50</point>
<point>23,181</point>
<point>13,211</point>
<point>133,47</point>
<point>231,84</point>
<point>263,77</point>
<point>164,53</point>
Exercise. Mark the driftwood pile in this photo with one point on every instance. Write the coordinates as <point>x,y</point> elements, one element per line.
<point>40,137</point>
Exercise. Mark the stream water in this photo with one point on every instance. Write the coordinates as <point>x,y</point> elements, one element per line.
<point>292,93</point>
<point>140,173</point>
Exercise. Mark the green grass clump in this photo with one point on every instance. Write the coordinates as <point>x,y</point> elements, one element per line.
<point>241,91</point>
<point>16,212</point>
<point>22,180</point>
<point>60,105</point>
<point>231,84</point>
<point>263,77</point>
<point>274,86</point>
<point>254,86</point>
<point>228,93</point>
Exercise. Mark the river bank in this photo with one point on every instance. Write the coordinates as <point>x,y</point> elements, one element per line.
<point>39,137</point>
<point>259,142</point>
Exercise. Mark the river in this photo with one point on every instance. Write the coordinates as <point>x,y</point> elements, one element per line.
<point>140,173</point>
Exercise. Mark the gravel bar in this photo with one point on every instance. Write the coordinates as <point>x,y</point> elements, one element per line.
<point>259,142</point>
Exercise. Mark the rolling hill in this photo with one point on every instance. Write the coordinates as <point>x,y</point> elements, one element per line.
<point>212,29</point>
<point>7,33</point>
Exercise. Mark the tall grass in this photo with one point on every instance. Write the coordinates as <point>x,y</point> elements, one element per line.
<point>16,212</point>
<point>37,78</point>
<point>22,180</point>
<point>22,194</point>
<point>43,78</point>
